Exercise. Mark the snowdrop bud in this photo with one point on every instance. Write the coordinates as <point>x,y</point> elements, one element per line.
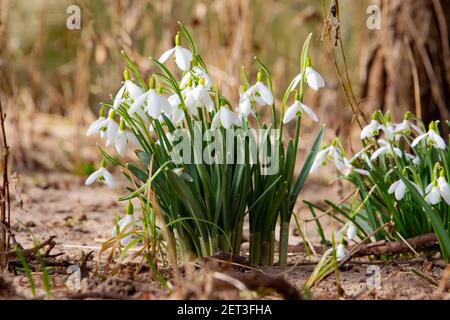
<point>112,114</point>
<point>408,116</point>
<point>178,39</point>
<point>126,75</point>
<point>102,112</point>
<point>432,126</point>
<point>259,76</point>
<point>122,124</point>
<point>308,62</point>
<point>152,83</point>
<point>351,231</point>
<point>130,209</point>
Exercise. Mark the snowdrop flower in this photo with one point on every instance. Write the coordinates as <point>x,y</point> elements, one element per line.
<point>297,109</point>
<point>330,153</point>
<point>102,174</point>
<point>372,129</point>
<point>133,90</point>
<point>98,124</point>
<point>123,138</point>
<point>386,148</point>
<point>197,72</point>
<point>399,188</point>
<point>414,159</point>
<point>259,92</point>
<point>351,231</point>
<point>432,137</point>
<point>201,95</point>
<point>349,168</point>
<point>125,225</point>
<point>111,128</point>
<point>437,189</point>
<point>444,188</point>
<point>313,78</point>
<point>363,156</point>
<point>404,128</point>
<point>226,117</point>
<point>177,113</point>
<point>340,251</point>
<point>155,102</point>
<point>183,57</point>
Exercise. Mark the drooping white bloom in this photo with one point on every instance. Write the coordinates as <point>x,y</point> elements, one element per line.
<point>98,124</point>
<point>313,78</point>
<point>129,87</point>
<point>245,107</point>
<point>444,189</point>
<point>386,148</point>
<point>433,194</point>
<point>201,96</point>
<point>183,57</point>
<point>111,128</point>
<point>349,168</point>
<point>225,117</point>
<point>259,91</point>
<point>197,72</point>
<point>399,188</point>
<point>102,174</point>
<point>432,138</point>
<point>371,130</point>
<point>340,251</point>
<point>123,137</point>
<point>388,129</point>
<point>155,103</point>
<point>351,230</point>
<point>330,153</point>
<point>297,109</point>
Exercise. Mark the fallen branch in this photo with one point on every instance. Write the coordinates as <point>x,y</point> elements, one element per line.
<point>384,248</point>
<point>50,243</point>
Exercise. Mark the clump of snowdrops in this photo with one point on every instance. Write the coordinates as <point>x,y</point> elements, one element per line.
<point>401,176</point>
<point>198,205</point>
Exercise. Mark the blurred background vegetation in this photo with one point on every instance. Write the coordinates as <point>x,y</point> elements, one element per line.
<point>53,79</point>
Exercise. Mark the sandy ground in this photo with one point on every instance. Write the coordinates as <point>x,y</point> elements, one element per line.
<point>81,218</point>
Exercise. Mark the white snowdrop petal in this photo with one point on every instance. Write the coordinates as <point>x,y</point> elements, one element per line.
<point>294,83</point>
<point>393,187</point>
<point>310,112</point>
<point>340,252</point>
<point>183,58</point>
<point>109,180</point>
<point>265,93</point>
<point>166,55</point>
<point>121,142</point>
<point>134,90</point>
<point>418,139</point>
<point>94,176</point>
<point>400,191</point>
<point>137,103</point>
<point>96,126</point>
<point>351,231</point>
<point>153,104</point>
<point>314,79</point>
<point>118,97</point>
<point>291,112</point>
<point>111,130</point>
<point>444,189</point>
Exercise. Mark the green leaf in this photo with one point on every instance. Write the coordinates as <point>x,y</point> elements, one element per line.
<point>305,169</point>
